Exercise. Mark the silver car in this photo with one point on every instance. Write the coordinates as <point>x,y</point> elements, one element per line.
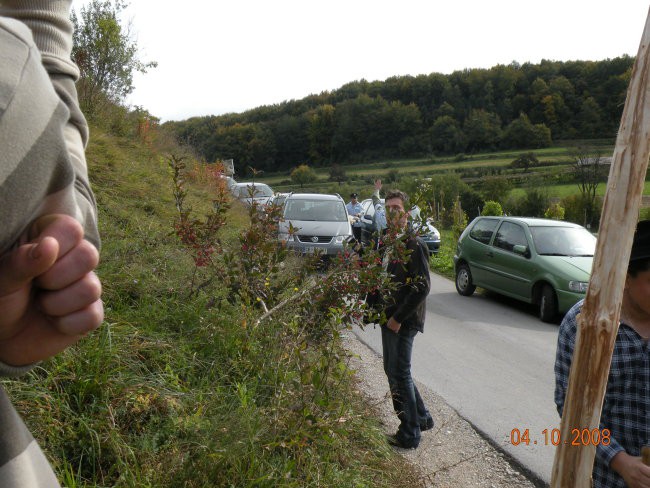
<point>250,192</point>
<point>315,223</point>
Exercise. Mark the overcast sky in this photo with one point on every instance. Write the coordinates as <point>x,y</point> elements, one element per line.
<point>219,56</point>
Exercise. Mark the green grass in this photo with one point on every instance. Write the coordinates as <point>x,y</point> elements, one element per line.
<point>179,389</point>
<point>443,262</point>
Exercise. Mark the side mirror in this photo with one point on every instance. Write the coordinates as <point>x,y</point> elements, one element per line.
<point>520,249</point>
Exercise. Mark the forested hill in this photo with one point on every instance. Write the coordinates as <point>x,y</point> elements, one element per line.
<point>514,106</point>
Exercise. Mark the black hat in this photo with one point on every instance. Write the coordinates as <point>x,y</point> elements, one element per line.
<point>641,241</point>
<point>353,195</point>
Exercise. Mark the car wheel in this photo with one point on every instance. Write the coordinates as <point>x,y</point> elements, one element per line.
<point>547,304</point>
<point>464,285</point>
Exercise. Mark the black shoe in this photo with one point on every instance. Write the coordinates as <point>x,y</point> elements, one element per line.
<point>427,425</point>
<point>395,441</point>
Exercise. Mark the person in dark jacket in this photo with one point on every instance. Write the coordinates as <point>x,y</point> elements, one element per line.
<point>405,258</point>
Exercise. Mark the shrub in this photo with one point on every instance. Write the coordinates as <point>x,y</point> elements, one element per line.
<point>575,210</point>
<point>555,212</point>
<point>492,208</point>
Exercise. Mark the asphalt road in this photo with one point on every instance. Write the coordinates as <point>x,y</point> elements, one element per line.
<point>491,359</point>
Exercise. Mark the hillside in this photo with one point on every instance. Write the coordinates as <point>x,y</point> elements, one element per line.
<point>184,385</point>
<point>430,115</point>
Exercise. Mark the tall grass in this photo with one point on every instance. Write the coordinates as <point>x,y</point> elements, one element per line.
<point>179,389</point>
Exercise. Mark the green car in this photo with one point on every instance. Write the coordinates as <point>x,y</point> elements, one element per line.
<point>539,261</point>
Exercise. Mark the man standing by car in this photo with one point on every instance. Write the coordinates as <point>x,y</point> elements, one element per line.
<point>355,210</point>
<point>624,421</point>
<point>405,258</point>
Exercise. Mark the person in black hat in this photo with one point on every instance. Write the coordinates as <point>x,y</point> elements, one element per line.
<point>625,419</point>
<point>355,210</point>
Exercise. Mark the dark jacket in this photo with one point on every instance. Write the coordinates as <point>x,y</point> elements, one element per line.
<point>407,302</point>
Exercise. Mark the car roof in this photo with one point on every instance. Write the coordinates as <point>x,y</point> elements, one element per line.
<point>532,221</point>
<point>313,196</point>
<point>253,183</point>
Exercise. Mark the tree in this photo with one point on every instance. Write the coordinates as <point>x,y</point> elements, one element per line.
<point>495,188</point>
<point>303,174</point>
<point>106,54</point>
<point>520,133</point>
<point>321,131</point>
<point>337,173</point>
<point>483,130</point>
<point>590,170</point>
<point>525,161</point>
<point>535,203</point>
<point>446,136</point>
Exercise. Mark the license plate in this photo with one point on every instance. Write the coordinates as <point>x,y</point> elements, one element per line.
<point>309,250</point>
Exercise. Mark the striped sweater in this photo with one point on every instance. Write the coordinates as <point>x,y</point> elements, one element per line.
<point>42,170</point>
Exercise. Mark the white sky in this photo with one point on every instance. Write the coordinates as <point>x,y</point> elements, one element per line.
<point>219,56</point>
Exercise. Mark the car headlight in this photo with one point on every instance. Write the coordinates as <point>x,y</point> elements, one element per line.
<point>340,239</point>
<point>285,237</point>
<point>578,286</point>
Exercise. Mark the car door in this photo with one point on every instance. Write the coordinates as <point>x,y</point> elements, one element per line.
<point>477,251</point>
<point>512,269</point>
<point>367,227</point>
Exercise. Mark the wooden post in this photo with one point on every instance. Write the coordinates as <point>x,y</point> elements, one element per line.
<point>598,322</point>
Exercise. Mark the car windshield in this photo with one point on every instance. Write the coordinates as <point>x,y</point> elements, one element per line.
<point>563,241</point>
<point>317,210</point>
<point>261,191</point>
<point>279,200</point>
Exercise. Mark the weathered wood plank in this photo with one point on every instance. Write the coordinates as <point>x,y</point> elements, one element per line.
<point>598,322</point>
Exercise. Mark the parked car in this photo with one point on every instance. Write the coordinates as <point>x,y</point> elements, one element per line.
<point>250,192</point>
<point>230,181</point>
<point>428,232</point>
<point>320,223</point>
<point>368,225</point>
<point>278,199</point>
<point>539,261</point>
<point>429,235</point>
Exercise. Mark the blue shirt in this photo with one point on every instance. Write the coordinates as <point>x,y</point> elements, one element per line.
<point>353,210</point>
<point>626,407</point>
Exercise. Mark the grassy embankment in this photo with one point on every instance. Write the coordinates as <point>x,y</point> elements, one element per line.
<point>185,390</point>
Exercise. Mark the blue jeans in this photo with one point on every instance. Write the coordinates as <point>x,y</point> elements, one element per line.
<point>407,402</point>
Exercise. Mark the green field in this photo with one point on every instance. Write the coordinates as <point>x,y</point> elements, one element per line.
<point>552,161</point>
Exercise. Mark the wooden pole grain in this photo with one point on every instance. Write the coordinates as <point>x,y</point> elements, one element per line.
<point>598,321</point>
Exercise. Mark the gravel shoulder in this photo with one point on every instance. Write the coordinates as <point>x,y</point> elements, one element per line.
<point>453,453</point>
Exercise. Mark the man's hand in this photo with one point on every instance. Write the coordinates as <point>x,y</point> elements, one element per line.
<point>393,325</point>
<point>49,294</point>
<point>634,472</point>
<point>377,184</point>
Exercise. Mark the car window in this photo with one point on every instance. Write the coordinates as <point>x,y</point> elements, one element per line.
<point>563,241</point>
<point>483,229</point>
<point>315,210</point>
<point>510,235</point>
<point>260,190</point>
<point>263,191</point>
